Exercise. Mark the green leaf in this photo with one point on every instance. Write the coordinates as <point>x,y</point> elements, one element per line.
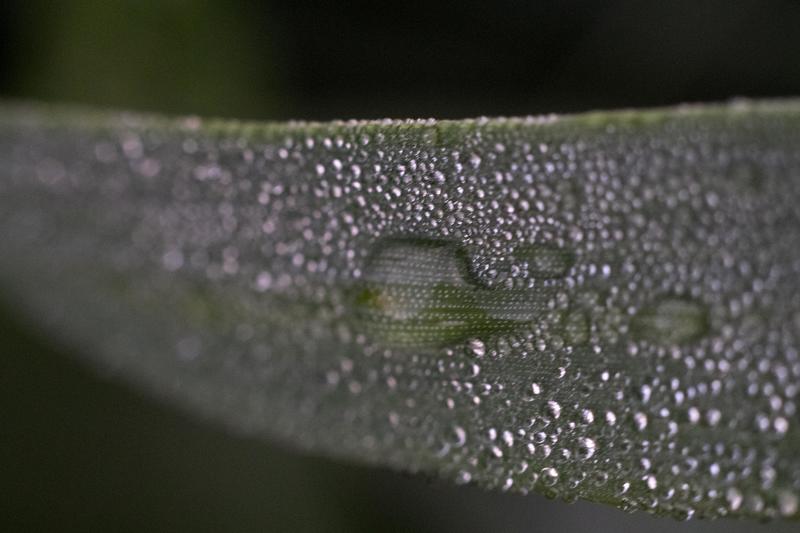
<point>603,306</point>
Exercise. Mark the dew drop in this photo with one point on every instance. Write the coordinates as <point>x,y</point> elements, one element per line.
<point>671,320</point>
<point>586,447</point>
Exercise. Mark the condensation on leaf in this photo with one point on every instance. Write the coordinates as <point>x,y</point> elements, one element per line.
<point>603,306</point>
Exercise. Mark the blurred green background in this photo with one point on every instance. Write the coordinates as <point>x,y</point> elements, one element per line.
<point>81,452</point>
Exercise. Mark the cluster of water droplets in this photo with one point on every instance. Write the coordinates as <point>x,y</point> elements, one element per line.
<point>603,311</point>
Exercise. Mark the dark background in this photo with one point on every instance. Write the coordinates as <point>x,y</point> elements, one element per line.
<point>411,58</point>
<point>78,452</point>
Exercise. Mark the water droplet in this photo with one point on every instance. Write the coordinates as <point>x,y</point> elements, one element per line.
<point>553,409</point>
<point>734,498</point>
<point>478,347</point>
<point>640,421</point>
<point>586,447</point>
<point>671,320</point>
<point>545,261</point>
<point>787,503</point>
<point>549,476</point>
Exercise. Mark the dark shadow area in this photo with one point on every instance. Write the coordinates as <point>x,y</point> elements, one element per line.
<point>320,60</point>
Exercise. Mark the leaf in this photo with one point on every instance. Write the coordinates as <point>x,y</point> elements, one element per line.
<point>603,306</point>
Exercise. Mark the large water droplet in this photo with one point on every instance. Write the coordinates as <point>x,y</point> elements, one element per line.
<point>671,320</point>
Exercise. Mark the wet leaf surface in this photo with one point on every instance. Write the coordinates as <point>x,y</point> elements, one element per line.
<point>602,306</point>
